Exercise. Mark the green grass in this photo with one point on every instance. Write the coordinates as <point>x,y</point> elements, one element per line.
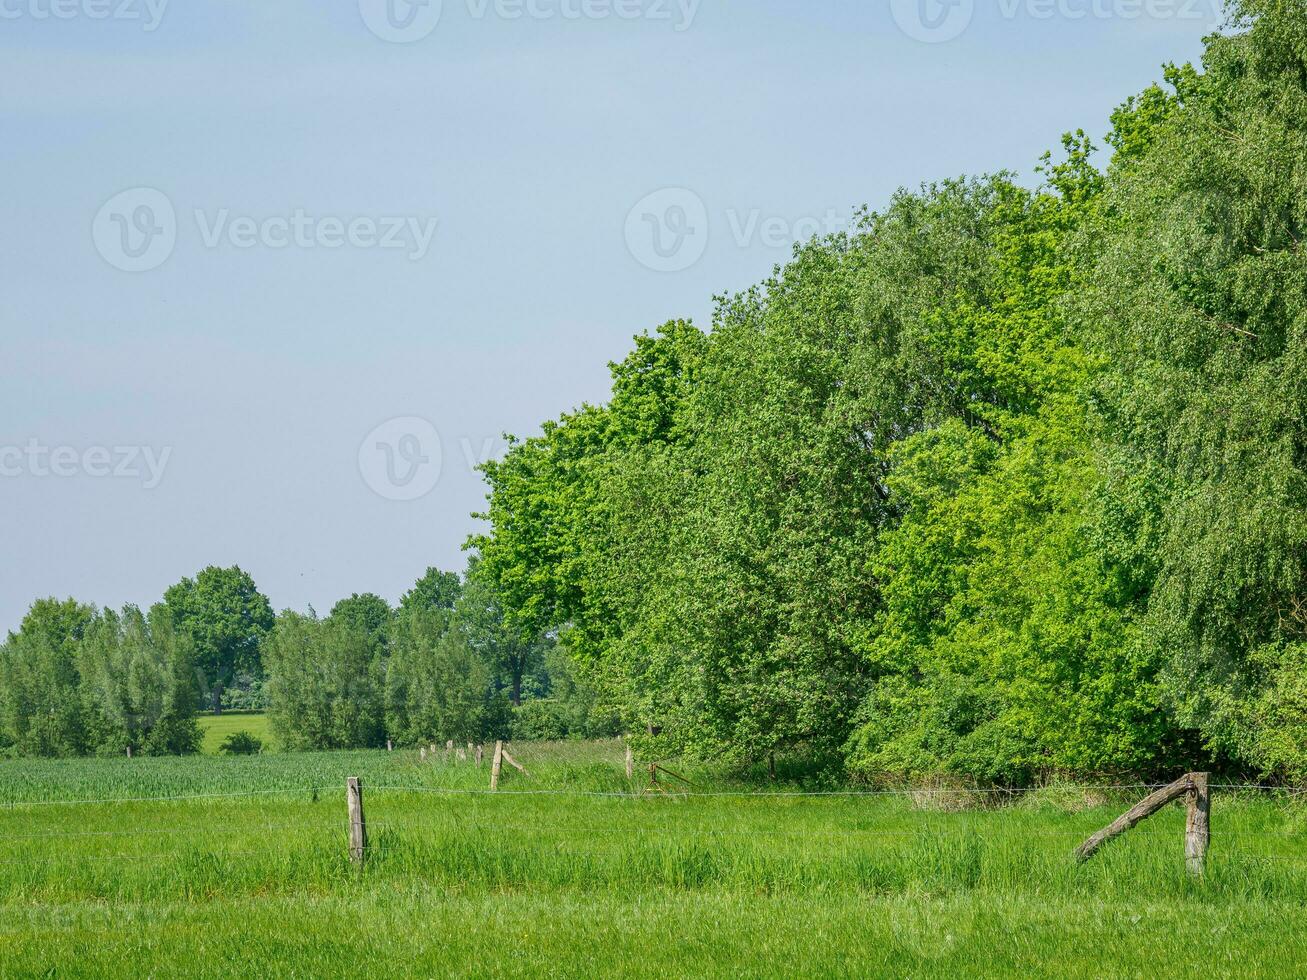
<point>458,881</point>
<point>216,728</point>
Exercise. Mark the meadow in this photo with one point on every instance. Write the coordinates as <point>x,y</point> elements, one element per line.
<point>573,871</point>
<point>216,728</point>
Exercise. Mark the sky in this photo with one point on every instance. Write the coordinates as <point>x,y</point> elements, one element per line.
<point>277,275</point>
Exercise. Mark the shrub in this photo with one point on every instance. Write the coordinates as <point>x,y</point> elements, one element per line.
<point>241,743</point>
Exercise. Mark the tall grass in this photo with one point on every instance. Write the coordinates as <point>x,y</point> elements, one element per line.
<point>575,838</point>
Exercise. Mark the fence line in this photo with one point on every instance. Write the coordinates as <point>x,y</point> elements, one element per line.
<point>641,795</point>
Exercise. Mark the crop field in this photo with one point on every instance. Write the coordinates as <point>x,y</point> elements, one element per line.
<point>575,872</point>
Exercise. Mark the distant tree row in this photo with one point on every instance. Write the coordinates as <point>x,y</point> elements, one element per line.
<point>75,680</point>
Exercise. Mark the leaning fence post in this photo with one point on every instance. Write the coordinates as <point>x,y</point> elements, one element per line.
<point>1197,825</point>
<point>496,765</point>
<point>358,831</point>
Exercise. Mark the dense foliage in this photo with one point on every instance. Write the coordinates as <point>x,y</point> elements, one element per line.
<point>1007,482</point>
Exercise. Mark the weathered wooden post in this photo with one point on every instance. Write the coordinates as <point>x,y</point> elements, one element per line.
<point>480,750</point>
<point>1197,825</point>
<point>1193,787</point>
<point>449,749</point>
<point>630,763</point>
<point>358,831</point>
<point>422,753</point>
<point>129,751</point>
<point>390,746</point>
<point>495,765</point>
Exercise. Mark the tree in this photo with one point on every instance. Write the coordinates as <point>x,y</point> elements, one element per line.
<point>325,684</point>
<point>226,618</point>
<point>508,649</point>
<point>40,703</point>
<point>1197,295</point>
<point>367,613</point>
<point>434,590</point>
<point>437,687</point>
<point>138,684</point>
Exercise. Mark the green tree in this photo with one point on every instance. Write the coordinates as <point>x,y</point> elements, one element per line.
<point>226,618</point>
<point>325,684</point>
<point>138,684</point>
<point>40,701</point>
<point>437,687</point>
<point>368,613</point>
<point>434,590</point>
<point>1197,295</point>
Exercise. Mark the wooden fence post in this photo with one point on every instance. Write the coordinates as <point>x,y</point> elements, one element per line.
<point>1192,786</point>
<point>630,763</point>
<point>1197,825</point>
<point>495,766</point>
<point>390,746</point>
<point>480,749</point>
<point>358,831</point>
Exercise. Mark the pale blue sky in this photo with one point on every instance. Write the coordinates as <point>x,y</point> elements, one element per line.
<point>252,375</point>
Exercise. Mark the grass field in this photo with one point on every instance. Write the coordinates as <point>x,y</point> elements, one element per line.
<point>525,882</point>
<point>216,728</point>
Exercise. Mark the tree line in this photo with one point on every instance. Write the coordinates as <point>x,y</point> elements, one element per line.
<point>78,680</point>
<point>1007,482</point>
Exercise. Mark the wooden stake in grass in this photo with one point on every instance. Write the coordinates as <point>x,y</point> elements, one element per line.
<point>358,832</point>
<point>1197,828</point>
<point>1186,785</point>
<point>630,763</point>
<point>496,765</point>
<point>480,751</point>
<point>513,762</point>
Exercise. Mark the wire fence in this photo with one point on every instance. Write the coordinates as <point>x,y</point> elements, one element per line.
<point>663,792</point>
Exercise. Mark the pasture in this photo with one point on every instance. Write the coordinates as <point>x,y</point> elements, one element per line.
<point>216,728</point>
<point>219,866</point>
